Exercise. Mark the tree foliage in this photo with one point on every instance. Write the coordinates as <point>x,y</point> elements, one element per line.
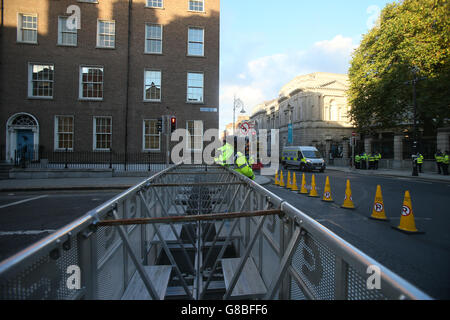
<point>410,33</point>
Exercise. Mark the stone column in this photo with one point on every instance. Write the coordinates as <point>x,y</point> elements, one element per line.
<point>443,139</point>
<point>368,145</point>
<point>345,148</point>
<point>398,147</point>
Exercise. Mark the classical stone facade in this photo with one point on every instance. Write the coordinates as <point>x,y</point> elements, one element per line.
<point>316,107</point>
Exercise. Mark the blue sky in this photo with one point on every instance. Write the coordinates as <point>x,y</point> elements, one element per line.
<point>264,44</point>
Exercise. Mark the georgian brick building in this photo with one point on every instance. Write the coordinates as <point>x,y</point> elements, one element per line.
<point>95,75</point>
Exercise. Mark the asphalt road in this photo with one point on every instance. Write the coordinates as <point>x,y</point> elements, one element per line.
<point>422,259</point>
<point>27,217</point>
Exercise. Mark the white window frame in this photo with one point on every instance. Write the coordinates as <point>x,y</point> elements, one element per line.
<point>80,86</point>
<point>99,21</point>
<point>20,27</point>
<point>61,32</point>
<point>160,85</point>
<point>187,88</point>
<point>150,135</point>
<point>153,39</point>
<point>203,5</point>
<point>57,133</point>
<point>194,135</point>
<point>202,42</point>
<point>147,5</point>
<point>30,80</point>
<point>94,130</point>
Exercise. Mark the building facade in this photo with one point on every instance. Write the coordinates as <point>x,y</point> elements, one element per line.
<point>97,75</point>
<point>315,107</point>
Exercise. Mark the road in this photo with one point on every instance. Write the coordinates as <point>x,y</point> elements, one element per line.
<point>26,217</point>
<point>422,259</point>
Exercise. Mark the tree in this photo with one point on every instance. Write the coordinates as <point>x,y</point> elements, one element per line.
<point>410,33</point>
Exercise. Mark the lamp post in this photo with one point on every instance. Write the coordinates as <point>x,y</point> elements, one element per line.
<point>415,70</point>
<point>237,103</point>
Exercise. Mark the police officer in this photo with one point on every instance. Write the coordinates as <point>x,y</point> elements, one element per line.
<point>419,160</point>
<point>371,161</point>
<point>363,161</point>
<point>439,158</point>
<point>377,159</point>
<point>242,166</point>
<point>445,161</point>
<point>357,161</point>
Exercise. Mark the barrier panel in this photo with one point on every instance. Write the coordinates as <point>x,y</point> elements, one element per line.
<point>199,232</point>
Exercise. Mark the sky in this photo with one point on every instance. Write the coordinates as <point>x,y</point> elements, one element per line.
<point>264,44</point>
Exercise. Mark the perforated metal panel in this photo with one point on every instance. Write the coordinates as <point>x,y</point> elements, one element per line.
<point>357,287</point>
<point>315,263</point>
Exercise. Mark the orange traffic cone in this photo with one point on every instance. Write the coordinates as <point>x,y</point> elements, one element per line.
<point>277,183</point>
<point>281,183</point>
<point>378,206</point>
<point>294,186</point>
<point>313,192</point>
<point>327,191</point>
<point>303,189</point>
<point>407,223</point>
<point>288,184</point>
<point>348,200</point>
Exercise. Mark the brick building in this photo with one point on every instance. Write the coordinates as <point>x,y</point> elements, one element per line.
<point>96,75</point>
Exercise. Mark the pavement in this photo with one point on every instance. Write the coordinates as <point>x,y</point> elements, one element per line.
<point>393,173</point>
<point>112,183</point>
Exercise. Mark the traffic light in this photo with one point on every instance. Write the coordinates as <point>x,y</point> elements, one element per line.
<point>159,125</point>
<point>173,124</point>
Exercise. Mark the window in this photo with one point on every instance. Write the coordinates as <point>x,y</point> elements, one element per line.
<point>102,133</point>
<point>195,130</point>
<point>208,109</point>
<point>66,36</point>
<point>152,85</point>
<point>153,38</point>
<point>196,5</point>
<point>63,132</point>
<point>40,80</point>
<point>195,41</point>
<point>27,28</point>
<point>91,83</point>
<point>155,3</point>
<point>152,138</point>
<point>195,87</point>
<point>106,34</point>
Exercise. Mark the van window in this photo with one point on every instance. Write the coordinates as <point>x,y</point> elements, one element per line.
<point>312,154</point>
<point>300,155</point>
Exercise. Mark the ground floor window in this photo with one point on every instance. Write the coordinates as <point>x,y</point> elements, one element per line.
<point>64,131</point>
<point>102,133</point>
<point>152,138</point>
<point>195,130</point>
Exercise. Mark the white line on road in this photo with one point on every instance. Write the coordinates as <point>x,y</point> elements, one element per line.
<point>24,232</point>
<point>22,201</point>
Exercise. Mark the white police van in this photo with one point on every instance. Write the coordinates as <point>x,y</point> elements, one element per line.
<point>303,157</point>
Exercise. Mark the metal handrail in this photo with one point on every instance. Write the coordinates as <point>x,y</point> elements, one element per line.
<point>394,287</point>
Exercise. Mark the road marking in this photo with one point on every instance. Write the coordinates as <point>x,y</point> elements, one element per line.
<point>22,201</point>
<point>24,232</point>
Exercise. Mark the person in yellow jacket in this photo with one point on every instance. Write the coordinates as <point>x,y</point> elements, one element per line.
<point>439,159</point>
<point>242,166</point>
<point>445,162</point>
<point>419,160</point>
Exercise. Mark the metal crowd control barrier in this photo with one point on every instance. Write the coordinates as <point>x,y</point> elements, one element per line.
<point>208,233</point>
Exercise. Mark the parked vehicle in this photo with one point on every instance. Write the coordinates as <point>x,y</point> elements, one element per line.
<point>306,158</point>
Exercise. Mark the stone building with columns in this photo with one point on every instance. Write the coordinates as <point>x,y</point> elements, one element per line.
<point>315,106</point>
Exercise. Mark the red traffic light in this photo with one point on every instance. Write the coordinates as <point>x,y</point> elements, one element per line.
<point>173,124</point>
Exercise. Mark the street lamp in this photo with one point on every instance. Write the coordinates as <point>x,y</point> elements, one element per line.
<point>237,103</point>
<point>415,70</point>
